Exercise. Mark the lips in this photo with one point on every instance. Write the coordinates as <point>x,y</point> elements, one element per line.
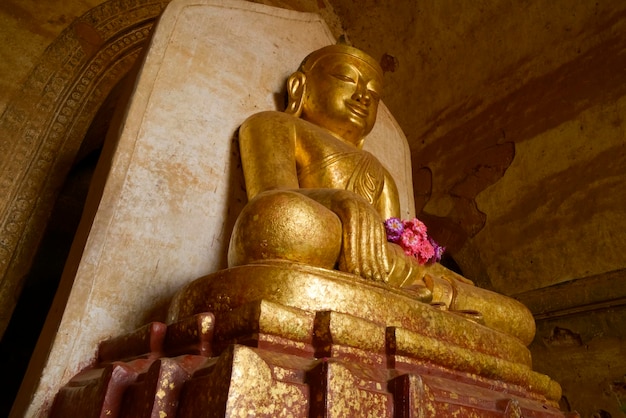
<point>358,109</point>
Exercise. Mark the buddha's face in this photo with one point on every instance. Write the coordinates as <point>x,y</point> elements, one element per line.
<point>341,94</point>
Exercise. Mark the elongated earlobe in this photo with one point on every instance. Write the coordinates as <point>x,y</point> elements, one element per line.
<point>295,90</point>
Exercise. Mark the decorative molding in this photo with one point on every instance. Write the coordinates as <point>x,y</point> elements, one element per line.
<point>44,125</point>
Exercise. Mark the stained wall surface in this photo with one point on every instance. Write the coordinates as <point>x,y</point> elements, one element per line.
<point>514,112</point>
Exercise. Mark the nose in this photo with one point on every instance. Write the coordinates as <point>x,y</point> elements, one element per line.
<point>363,98</point>
<point>362,94</point>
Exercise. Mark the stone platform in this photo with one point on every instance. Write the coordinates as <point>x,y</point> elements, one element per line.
<point>337,347</point>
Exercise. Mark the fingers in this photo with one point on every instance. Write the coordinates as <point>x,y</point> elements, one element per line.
<point>371,245</point>
<point>381,256</point>
<point>367,244</point>
<point>376,249</point>
<point>372,259</point>
<point>351,240</point>
<point>364,241</point>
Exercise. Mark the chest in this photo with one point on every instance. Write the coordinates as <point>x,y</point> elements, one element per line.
<point>330,163</point>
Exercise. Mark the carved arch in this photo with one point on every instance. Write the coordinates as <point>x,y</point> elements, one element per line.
<point>43,127</point>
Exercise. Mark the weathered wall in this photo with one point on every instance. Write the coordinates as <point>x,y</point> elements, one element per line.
<point>47,115</point>
<point>514,111</point>
<point>478,87</point>
<point>45,128</point>
<point>586,354</point>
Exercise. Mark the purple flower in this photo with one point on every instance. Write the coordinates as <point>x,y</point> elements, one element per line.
<point>394,229</point>
<point>438,251</point>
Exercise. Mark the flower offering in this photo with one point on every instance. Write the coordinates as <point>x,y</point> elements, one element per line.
<point>412,236</point>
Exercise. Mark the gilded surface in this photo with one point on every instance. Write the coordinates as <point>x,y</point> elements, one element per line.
<point>351,393</point>
<point>315,197</point>
<point>414,345</point>
<point>318,315</point>
<point>254,390</point>
<point>314,289</point>
<point>310,264</point>
<point>351,331</point>
<point>269,318</point>
<point>352,316</point>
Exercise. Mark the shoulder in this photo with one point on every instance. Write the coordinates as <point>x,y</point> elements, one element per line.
<point>267,126</point>
<point>269,116</point>
<point>275,125</point>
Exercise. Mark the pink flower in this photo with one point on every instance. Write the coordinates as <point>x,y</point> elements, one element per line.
<point>410,242</point>
<point>412,237</point>
<point>425,252</point>
<point>416,226</point>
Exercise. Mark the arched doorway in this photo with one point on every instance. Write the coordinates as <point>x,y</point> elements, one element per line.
<point>53,129</point>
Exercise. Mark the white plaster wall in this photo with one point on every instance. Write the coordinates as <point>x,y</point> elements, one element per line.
<point>174,188</point>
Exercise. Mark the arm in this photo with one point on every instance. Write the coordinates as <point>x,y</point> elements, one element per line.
<point>268,153</point>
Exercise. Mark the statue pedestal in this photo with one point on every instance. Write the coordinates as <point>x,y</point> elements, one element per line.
<point>289,340</point>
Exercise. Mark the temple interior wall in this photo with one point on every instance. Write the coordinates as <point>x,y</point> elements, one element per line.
<point>514,115</point>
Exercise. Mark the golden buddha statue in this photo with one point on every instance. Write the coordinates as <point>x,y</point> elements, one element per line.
<point>318,314</point>
<point>315,197</point>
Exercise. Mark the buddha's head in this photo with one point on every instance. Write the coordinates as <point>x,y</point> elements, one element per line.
<point>337,87</point>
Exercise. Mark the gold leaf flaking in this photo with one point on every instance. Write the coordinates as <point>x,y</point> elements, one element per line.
<point>206,325</point>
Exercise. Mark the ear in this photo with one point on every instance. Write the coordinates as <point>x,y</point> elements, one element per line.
<point>295,89</point>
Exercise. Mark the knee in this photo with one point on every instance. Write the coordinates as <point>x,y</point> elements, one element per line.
<point>285,225</point>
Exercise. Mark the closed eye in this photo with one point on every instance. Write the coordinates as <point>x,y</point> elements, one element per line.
<point>344,77</point>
